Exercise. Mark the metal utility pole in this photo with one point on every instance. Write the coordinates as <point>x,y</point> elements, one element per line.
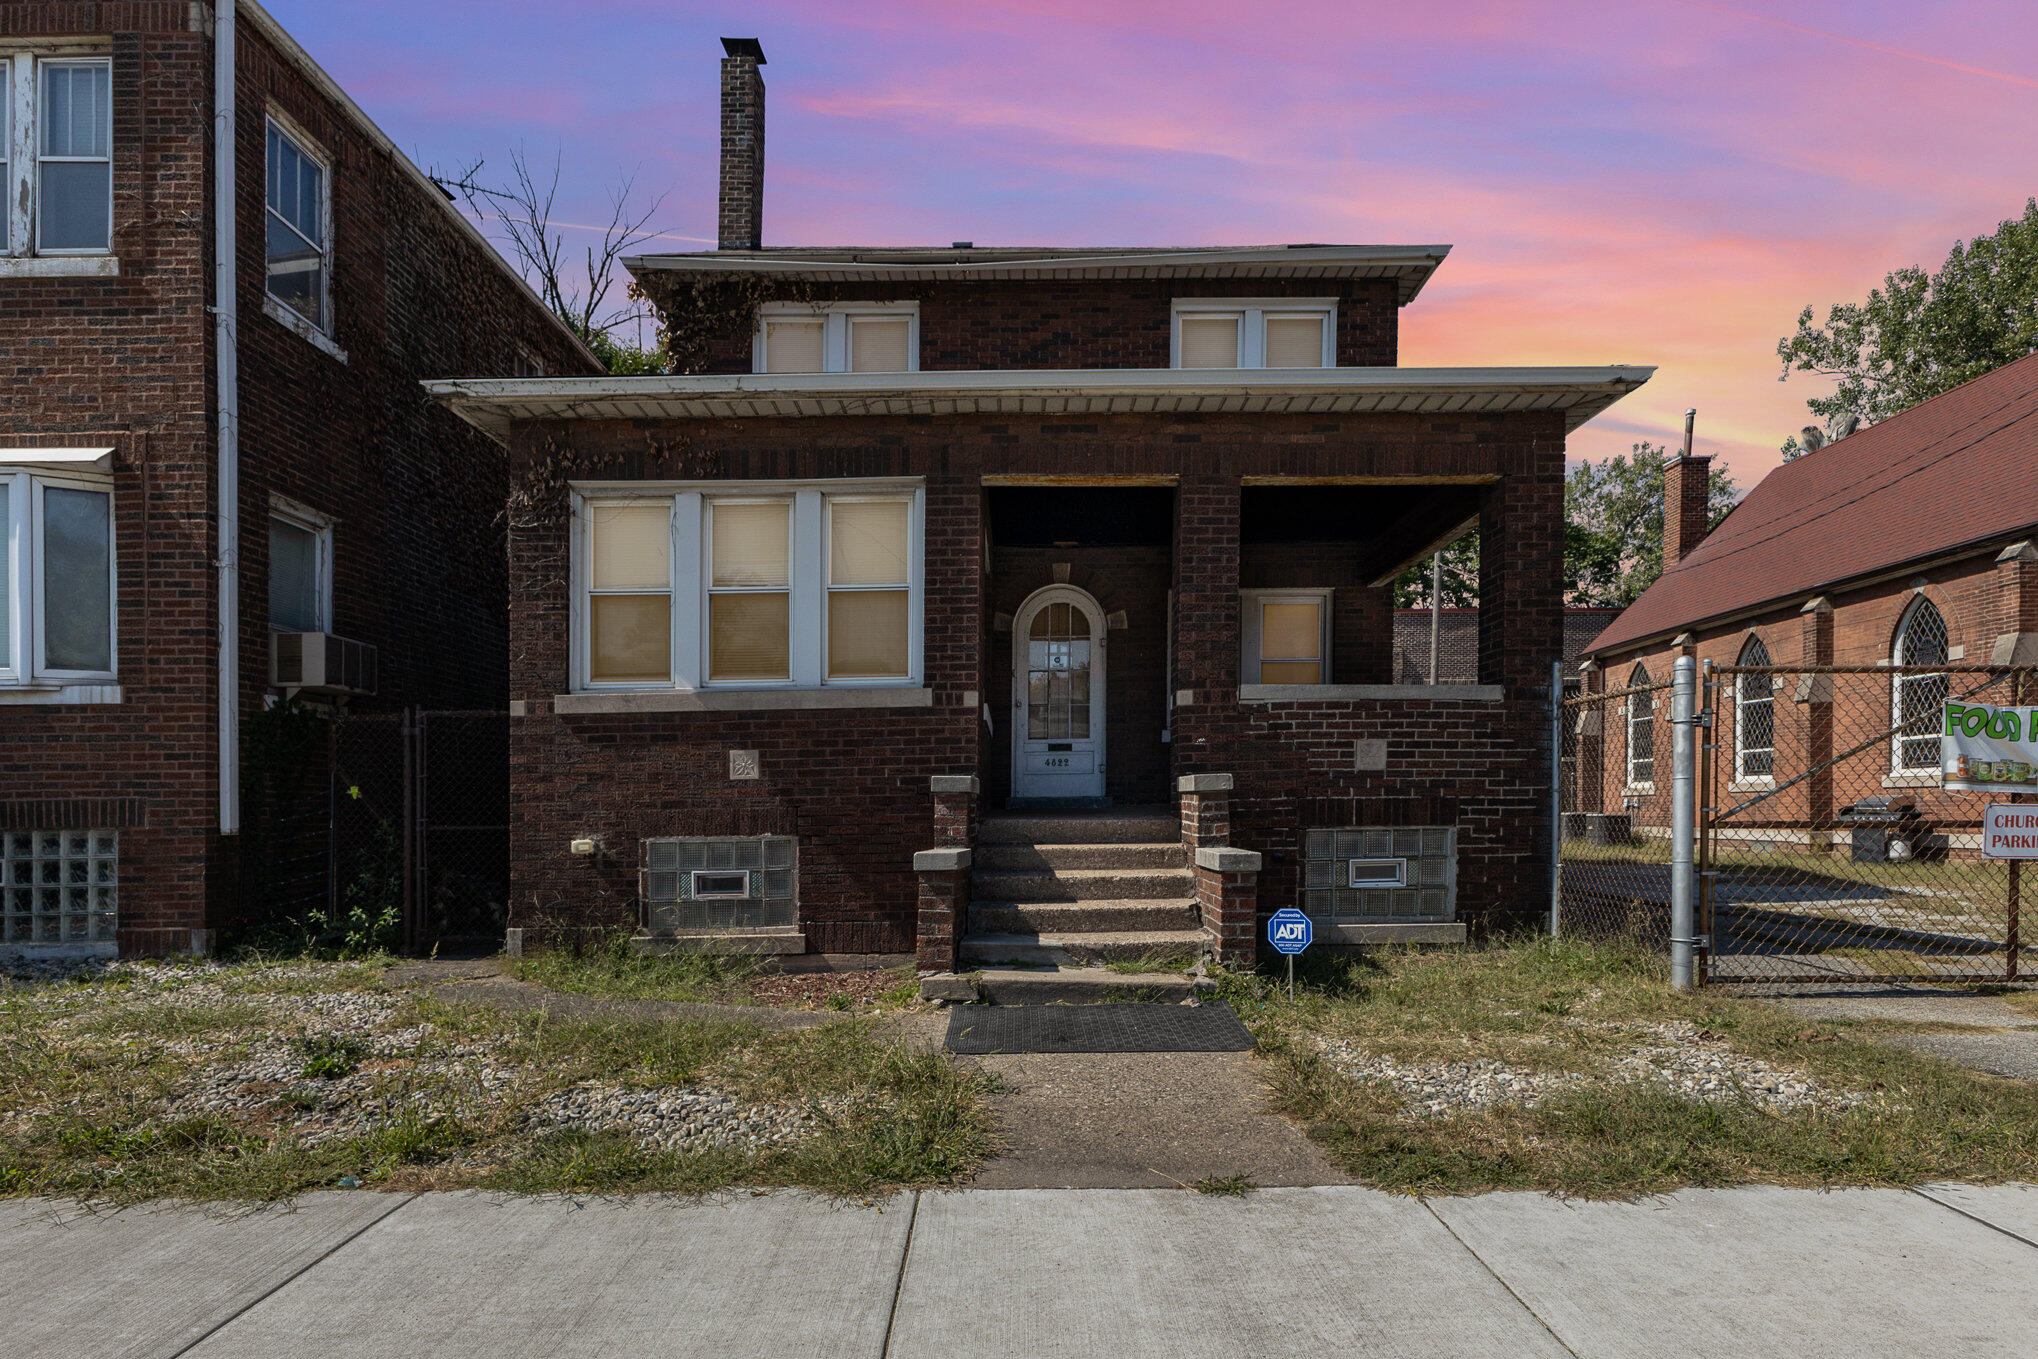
<point>1436,612</point>
<point>1683,821</point>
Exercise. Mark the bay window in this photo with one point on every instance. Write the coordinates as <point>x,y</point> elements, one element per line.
<point>1255,333</point>
<point>842,337</point>
<point>778,585</point>
<point>56,579</point>
<point>1286,635</point>
<point>56,155</point>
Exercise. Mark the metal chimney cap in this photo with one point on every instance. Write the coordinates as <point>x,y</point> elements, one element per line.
<point>744,47</point>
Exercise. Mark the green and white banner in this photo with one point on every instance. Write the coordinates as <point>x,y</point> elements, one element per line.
<point>1989,749</point>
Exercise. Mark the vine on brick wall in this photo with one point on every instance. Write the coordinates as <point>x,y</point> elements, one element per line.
<point>695,314</point>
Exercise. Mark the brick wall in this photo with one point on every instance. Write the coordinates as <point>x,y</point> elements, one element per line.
<point>126,362</point>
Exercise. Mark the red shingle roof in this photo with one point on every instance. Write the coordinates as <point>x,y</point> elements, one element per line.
<point>1959,469</point>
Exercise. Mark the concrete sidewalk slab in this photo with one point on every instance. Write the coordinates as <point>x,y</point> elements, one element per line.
<point>461,1275</point>
<point>2011,1208</point>
<point>143,1283</point>
<point>1322,1271</point>
<point>1758,1272</point>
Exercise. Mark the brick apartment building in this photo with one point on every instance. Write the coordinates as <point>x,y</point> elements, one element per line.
<point>196,463</point>
<point>1023,604</point>
<point>1912,543</point>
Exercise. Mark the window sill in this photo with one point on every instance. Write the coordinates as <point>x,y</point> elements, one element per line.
<point>739,700</point>
<point>1926,778</point>
<point>1392,693</point>
<point>1640,789</point>
<point>104,692</point>
<point>60,266</point>
<point>297,325</point>
<point>1751,785</point>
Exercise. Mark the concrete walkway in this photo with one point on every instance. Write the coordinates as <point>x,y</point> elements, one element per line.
<point>1066,1273</point>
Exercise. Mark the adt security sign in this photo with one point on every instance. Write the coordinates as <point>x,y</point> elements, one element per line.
<point>1289,931</point>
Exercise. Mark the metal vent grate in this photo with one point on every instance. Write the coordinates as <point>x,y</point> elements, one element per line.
<point>1331,892</point>
<point>720,884</point>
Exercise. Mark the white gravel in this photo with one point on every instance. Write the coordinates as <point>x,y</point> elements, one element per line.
<point>1676,1056</point>
<point>676,1118</point>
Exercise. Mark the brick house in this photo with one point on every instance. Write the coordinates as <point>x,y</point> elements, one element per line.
<point>203,471</point>
<point>1913,542</point>
<point>1023,604</point>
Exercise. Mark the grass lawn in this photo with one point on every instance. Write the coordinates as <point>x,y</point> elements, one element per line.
<point>613,970</point>
<point>1599,1081</point>
<point>259,1081</point>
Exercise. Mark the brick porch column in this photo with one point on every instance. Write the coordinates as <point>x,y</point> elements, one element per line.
<point>1206,809</point>
<point>955,809</point>
<point>1227,879</point>
<point>944,907</point>
<point>1206,642</point>
<point>1521,574</point>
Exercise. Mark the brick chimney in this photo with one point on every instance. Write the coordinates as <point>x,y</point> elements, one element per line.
<point>740,222</point>
<point>1685,515</point>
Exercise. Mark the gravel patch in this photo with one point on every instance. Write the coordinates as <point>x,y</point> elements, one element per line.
<point>1676,1056</point>
<point>673,1118</point>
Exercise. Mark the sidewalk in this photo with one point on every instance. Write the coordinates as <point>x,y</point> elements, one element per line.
<point>1307,1271</point>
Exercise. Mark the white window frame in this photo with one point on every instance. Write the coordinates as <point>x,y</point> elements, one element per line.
<point>1252,314</point>
<point>1742,702</point>
<point>1898,656</point>
<point>707,588</point>
<point>320,526</point>
<point>807,606</point>
<point>836,318</point>
<point>310,149</point>
<point>21,539</point>
<point>1250,604</point>
<point>22,190</point>
<point>1639,708</point>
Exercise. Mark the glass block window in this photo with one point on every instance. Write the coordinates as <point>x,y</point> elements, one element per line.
<point>58,887</point>
<point>693,884</point>
<point>1430,883</point>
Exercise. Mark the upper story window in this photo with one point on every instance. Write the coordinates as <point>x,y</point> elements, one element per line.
<point>300,570</point>
<point>781,585</point>
<point>1244,332</point>
<point>56,576</point>
<point>56,155</point>
<point>1918,702</point>
<point>299,226</point>
<point>840,337</point>
<point>1286,635</point>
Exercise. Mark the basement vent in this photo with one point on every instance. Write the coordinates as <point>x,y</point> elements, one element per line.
<point>742,883</point>
<point>58,887</point>
<point>1350,874</point>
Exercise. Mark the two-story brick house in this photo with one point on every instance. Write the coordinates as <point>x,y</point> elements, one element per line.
<point>213,447</point>
<point>1058,581</point>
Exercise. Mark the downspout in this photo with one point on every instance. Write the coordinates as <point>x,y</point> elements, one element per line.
<point>227,379</point>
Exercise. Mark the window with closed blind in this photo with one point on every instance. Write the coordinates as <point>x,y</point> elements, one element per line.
<point>777,585</point>
<point>1255,333</point>
<point>841,337</point>
<point>1286,636</point>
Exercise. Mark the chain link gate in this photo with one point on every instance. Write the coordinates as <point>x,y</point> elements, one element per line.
<point>1828,851</point>
<point>1612,877</point>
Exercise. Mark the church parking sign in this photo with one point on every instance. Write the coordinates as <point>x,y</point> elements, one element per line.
<point>1289,931</point>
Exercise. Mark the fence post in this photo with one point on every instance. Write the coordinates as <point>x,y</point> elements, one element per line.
<point>1556,795</point>
<point>1683,819</point>
<point>408,738</point>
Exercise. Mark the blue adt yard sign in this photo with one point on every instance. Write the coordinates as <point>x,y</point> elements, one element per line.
<point>1289,931</point>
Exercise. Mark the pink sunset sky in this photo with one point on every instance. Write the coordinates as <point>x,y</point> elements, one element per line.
<point>1639,181</point>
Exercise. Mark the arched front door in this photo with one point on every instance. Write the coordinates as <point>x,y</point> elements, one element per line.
<point>1058,695</point>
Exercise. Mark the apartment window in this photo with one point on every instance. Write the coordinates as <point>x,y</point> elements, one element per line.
<point>299,222</point>
<point>1641,729</point>
<point>1255,333</point>
<point>56,155</point>
<point>1754,716</point>
<point>1918,702</point>
<point>1286,634</point>
<point>300,571</point>
<point>56,579</point>
<point>785,585</point>
<point>848,337</point>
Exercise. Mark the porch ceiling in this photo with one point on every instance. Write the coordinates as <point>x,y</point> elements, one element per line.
<point>494,405</point>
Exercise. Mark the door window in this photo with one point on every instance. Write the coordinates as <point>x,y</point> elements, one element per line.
<point>1058,675</point>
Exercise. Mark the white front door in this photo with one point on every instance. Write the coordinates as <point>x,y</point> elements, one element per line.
<point>1058,695</point>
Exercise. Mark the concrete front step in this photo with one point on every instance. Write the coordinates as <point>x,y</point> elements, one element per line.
<point>1115,827</point>
<point>1084,884</point>
<point>1074,948</point>
<point>1084,986</point>
<point>1044,858</point>
<point>1082,917</point>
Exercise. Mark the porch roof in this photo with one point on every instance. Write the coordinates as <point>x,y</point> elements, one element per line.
<point>493,405</point>
<point>1409,265</point>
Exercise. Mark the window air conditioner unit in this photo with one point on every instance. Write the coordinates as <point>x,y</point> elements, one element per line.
<point>318,662</point>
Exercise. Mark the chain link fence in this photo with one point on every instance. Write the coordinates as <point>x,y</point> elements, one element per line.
<point>1613,882</point>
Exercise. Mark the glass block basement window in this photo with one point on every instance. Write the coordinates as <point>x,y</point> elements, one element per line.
<point>58,887</point>
<point>721,884</point>
<point>1427,859</point>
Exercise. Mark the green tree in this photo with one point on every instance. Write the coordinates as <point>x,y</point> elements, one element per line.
<point>1460,578</point>
<point>1921,333</point>
<point>1613,530</point>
